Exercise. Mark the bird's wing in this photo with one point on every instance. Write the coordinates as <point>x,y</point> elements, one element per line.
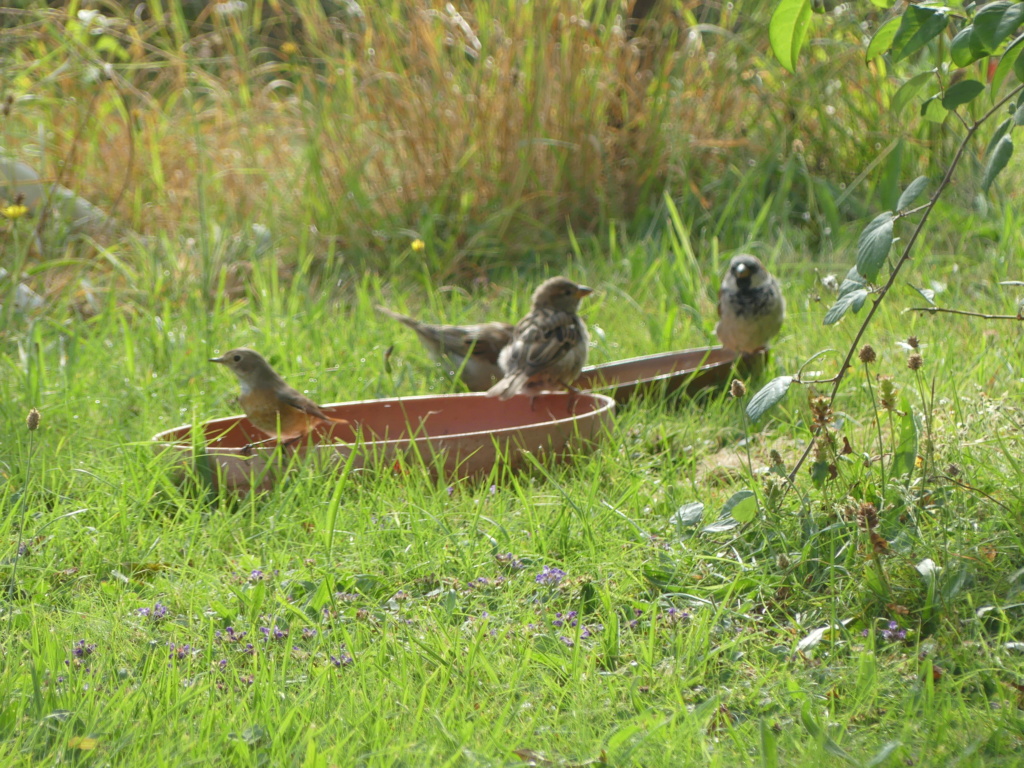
<point>542,338</point>
<point>303,403</point>
<point>488,339</point>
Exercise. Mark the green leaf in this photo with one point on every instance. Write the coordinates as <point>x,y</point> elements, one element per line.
<point>997,161</point>
<point>874,244</point>
<point>787,30</point>
<point>768,397</point>
<point>919,25</point>
<point>1018,116</point>
<point>909,90</point>
<point>966,47</point>
<point>961,93</point>
<point>883,754</point>
<point>926,293</point>
<point>999,132</point>
<point>742,505</point>
<point>997,21</point>
<point>1005,65</point>
<point>933,110</point>
<point>769,746</point>
<point>912,192</point>
<point>853,300</point>
<point>1018,66</point>
<point>688,514</point>
<point>883,38</point>
<point>905,458</point>
<point>852,282</point>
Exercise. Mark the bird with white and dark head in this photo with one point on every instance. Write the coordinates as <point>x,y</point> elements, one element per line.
<point>751,307</point>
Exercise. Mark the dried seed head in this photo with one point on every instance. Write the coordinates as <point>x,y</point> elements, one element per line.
<point>953,470</point>
<point>821,409</point>
<point>912,342</point>
<point>33,420</point>
<point>775,458</point>
<point>738,389</point>
<point>867,516</point>
<point>915,361</point>
<point>8,103</point>
<point>867,354</point>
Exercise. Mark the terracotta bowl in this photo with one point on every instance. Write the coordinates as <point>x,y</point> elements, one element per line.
<point>455,435</point>
<point>690,370</point>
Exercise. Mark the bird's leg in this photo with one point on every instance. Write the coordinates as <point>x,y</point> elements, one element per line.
<point>573,394</point>
<point>248,448</point>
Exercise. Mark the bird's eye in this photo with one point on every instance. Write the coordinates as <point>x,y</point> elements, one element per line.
<point>237,358</point>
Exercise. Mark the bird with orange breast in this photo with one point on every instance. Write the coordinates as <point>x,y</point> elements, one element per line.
<point>269,403</point>
<point>549,346</point>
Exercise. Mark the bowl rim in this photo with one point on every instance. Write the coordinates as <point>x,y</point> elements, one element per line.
<point>595,370</point>
<point>604,404</point>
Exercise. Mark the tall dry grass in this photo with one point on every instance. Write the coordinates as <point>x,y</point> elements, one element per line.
<point>489,131</point>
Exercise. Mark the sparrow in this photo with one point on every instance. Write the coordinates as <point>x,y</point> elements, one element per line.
<point>269,403</point>
<point>549,346</point>
<point>751,307</point>
<point>471,351</point>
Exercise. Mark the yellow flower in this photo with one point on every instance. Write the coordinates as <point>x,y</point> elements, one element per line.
<point>418,245</point>
<point>14,211</point>
<point>288,48</point>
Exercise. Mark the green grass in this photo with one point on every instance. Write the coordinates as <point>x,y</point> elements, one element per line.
<point>386,568</point>
<point>417,632</point>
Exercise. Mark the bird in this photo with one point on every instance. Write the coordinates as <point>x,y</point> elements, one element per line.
<point>269,403</point>
<point>751,306</point>
<point>471,350</point>
<point>549,346</point>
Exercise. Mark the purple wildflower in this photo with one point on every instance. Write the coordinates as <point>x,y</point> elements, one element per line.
<point>567,640</point>
<point>894,633</point>
<point>81,649</point>
<point>550,576</point>
<point>342,659</point>
<point>510,561</point>
<point>222,664</point>
<point>256,576</point>
<point>346,597</point>
<point>308,633</point>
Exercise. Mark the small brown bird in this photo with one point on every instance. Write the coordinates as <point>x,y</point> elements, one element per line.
<point>549,346</point>
<point>751,307</point>
<point>269,403</point>
<point>470,351</point>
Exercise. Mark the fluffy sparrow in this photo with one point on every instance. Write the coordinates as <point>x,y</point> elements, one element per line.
<point>549,345</point>
<point>271,405</point>
<point>471,351</point>
<point>751,307</point>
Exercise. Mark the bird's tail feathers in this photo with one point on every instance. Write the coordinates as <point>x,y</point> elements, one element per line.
<point>509,386</point>
<point>403,319</point>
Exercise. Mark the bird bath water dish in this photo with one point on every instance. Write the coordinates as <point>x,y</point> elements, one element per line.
<point>692,370</point>
<point>457,435</point>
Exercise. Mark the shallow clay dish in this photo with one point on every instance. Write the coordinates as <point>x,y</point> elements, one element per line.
<point>691,370</point>
<point>457,435</point>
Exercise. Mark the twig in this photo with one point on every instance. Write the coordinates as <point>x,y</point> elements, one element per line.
<point>904,258</point>
<point>983,316</point>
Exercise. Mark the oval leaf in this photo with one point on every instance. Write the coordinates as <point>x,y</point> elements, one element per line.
<point>1018,66</point>
<point>853,300</point>
<point>933,110</point>
<point>742,506</point>
<point>688,514</point>
<point>768,397</point>
<point>996,22</point>
<point>961,93</point>
<point>1018,116</point>
<point>787,30</point>
<point>908,91</point>
<point>852,282</point>
<point>873,245</point>
<point>912,192</point>
<point>883,38</point>
<point>920,24</point>
<point>966,47</point>
<point>1006,62</point>
<point>999,132</point>
<point>997,161</point>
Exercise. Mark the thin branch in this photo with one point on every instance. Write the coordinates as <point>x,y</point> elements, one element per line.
<point>904,258</point>
<point>982,315</point>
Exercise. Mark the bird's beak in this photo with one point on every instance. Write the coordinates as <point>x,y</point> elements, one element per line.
<point>582,290</point>
<point>217,360</point>
<point>740,271</point>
